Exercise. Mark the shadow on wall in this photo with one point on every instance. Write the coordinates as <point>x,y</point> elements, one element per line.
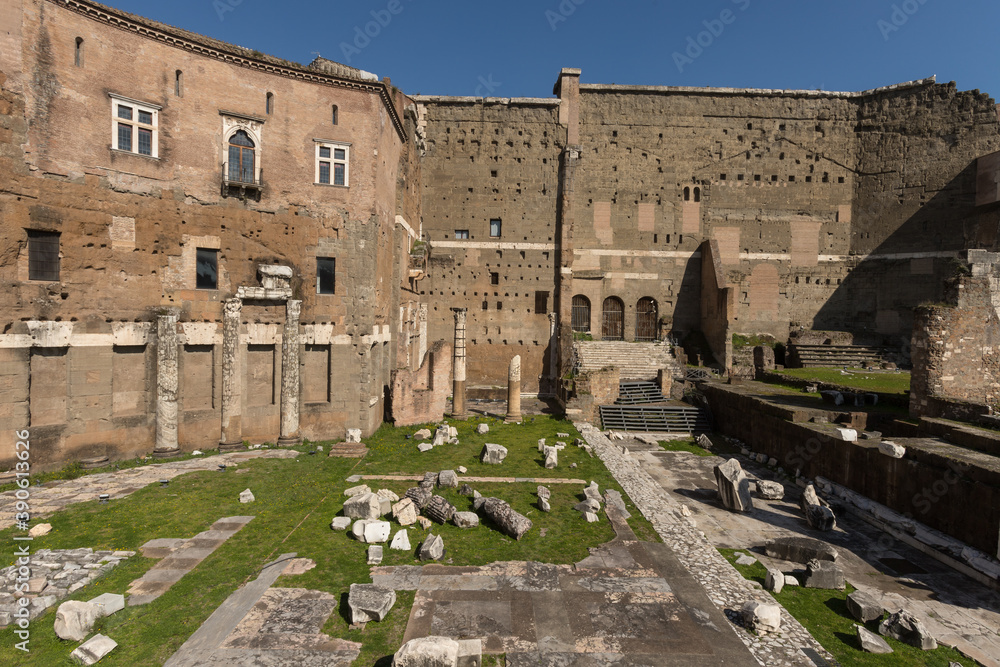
<point>909,267</point>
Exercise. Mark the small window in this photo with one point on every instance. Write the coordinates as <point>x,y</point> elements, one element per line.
<point>687,194</point>
<point>495,225</point>
<point>494,278</point>
<point>134,127</point>
<point>333,114</point>
<point>269,103</point>
<point>541,303</point>
<point>207,269</point>
<point>461,233</point>
<point>179,83</point>
<point>326,282</point>
<point>78,52</point>
<point>332,164</point>
<point>697,194</point>
<point>43,255</point>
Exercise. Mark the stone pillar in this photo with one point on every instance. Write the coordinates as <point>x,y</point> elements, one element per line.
<point>422,324</point>
<point>553,371</point>
<point>290,388</point>
<point>166,386</point>
<point>232,378</point>
<point>458,410</point>
<point>514,390</point>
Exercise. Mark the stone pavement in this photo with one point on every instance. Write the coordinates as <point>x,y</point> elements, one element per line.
<point>794,646</point>
<point>268,627</point>
<point>354,479</point>
<point>179,558</point>
<point>54,496</point>
<point>958,611</point>
<point>628,603</point>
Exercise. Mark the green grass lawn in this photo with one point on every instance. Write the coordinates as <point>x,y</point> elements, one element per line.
<point>824,614</point>
<point>295,502</point>
<point>874,381</point>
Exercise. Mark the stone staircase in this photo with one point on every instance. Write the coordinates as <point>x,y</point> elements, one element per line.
<point>852,356</point>
<point>655,418</point>
<point>633,393</point>
<point>634,361</point>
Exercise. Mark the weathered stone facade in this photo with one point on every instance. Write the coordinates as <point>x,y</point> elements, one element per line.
<point>956,346</point>
<point>829,211</point>
<point>121,352</point>
<point>205,245</point>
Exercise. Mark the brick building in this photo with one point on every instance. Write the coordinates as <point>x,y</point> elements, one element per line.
<point>204,245</point>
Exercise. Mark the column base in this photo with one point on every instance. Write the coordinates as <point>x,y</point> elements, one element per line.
<point>166,453</point>
<point>290,441</point>
<point>512,419</point>
<point>231,447</point>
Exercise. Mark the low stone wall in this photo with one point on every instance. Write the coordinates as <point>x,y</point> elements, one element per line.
<point>897,400</point>
<point>949,488</point>
<point>591,390</point>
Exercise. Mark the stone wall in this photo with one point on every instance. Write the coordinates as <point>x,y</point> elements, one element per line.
<point>492,159</point>
<point>956,346</point>
<point>590,391</point>
<point>820,218</point>
<point>935,483</point>
<point>79,355</point>
<point>421,396</point>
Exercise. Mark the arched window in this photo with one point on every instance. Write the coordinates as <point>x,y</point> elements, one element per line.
<point>241,158</point>
<point>334,113</point>
<point>269,104</point>
<point>613,319</point>
<point>645,319</point>
<point>687,194</point>
<point>78,52</point>
<point>581,314</point>
<point>179,83</point>
<point>697,194</point>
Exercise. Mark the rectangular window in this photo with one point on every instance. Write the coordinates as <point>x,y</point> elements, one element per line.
<point>541,303</point>
<point>461,233</point>
<point>494,278</point>
<point>135,126</point>
<point>326,281</point>
<point>43,255</point>
<point>332,163</point>
<point>124,137</point>
<point>495,228</point>
<point>208,269</point>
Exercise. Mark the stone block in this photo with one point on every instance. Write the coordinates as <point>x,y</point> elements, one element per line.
<point>93,650</point>
<point>511,523</point>
<point>770,490</point>
<point>341,522</point>
<point>824,574</point>
<point>432,548</point>
<point>733,486</point>
<point>891,449</point>
<point>353,435</point>
<point>357,490</point>
<point>400,541</point>
<point>108,603</point>
<point>800,549</point>
<point>907,628</point>
<point>774,580</point>
<point>369,602</point>
<point>761,618</point>
<point>246,496</point>
<point>427,652</point>
<point>375,554</point>
<point>864,607</point>
<point>40,529</point>
<point>363,506</point>
<point>422,434</point>
<point>377,532</point>
<point>75,620</point>
<point>465,519</point>
<point>871,642</point>
<point>493,454</point>
<point>482,429</point>
<point>448,479</point>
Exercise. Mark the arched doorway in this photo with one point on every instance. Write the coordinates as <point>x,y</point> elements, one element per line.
<point>614,319</point>
<point>581,314</point>
<point>646,312</point>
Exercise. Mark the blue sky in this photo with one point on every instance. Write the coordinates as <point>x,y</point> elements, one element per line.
<point>516,48</point>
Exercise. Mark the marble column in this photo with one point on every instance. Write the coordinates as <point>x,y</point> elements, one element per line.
<point>514,390</point>
<point>166,386</point>
<point>232,378</point>
<point>290,387</point>
<point>458,410</point>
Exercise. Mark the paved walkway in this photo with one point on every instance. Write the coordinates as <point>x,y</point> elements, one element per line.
<point>628,603</point>
<point>794,646</point>
<point>354,479</point>
<point>51,497</point>
<point>263,626</point>
<point>958,611</point>
<point>179,558</point>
